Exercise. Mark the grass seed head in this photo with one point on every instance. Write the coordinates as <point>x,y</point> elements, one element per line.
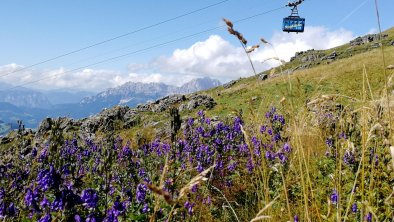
<point>264,41</point>
<point>228,23</point>
<point>231,31</point>
<point>161,192</point>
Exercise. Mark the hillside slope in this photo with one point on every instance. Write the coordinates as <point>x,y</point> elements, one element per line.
<point>307,141</point>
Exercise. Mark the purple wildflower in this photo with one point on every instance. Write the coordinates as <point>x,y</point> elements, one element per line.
<point>263,129</point>
<point>2,210</point>
<point>145,209</point>
<point>44,203</point>
<point>189,206</point>
<point>89,198</point>
<point>190,121</point>
<point>287,148</point>
<point>282,157</point>
<point>354,208</point>
<point>250,165</point>
<point>11,211</point>
<point>141,192</point>
<point>282,120</point>
<point>232,166</point>
<point>342,136</point>
<point>334,197</point>
<point>368,217</point>
<point>2,194</point>
<point>276,137</point>
<point>207,201</point>
<point>269,155</point>
<point>348,158</point>
<point>90,218</point>
<point>199,167</point>
<point>77,218</point>
<point>194,188</point>
<point>330,142</point>
<point>46,218</point>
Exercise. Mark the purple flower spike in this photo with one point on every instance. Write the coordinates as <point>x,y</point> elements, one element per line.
<point>287,148</point>
<point>263,129</point>
<point>354,208</point>
<point>145,209</point>
<point>77,218</point>
<point>334,197</point>
<point>141,192</point>
<point>189,206</point>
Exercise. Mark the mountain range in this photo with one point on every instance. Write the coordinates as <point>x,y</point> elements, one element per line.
<point>31,106</point>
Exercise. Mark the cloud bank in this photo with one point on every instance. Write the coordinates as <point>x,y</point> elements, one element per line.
<point>214,57</point>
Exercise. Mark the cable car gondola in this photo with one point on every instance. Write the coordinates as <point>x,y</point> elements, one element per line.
<point>294,23</point>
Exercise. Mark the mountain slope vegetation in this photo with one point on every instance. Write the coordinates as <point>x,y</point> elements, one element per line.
<point>309,140</point>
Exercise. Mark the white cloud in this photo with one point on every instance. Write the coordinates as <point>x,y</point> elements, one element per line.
<point>287,44</point>
<point>215,57</point>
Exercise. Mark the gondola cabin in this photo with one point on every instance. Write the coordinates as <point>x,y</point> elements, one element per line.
<point>293,24</point>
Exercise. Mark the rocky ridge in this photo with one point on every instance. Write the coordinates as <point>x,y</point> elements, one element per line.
<point>123,116</point>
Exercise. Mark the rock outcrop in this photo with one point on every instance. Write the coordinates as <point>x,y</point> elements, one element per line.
<point>162,104</point>
<point>197,101</point>
<point>229,84</point>
<point>367,39</point>
<point>331,56</point>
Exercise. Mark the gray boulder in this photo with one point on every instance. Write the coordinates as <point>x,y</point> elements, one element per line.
<point>103,120</point>
<point>375,45</point>
<point>131,119</point>
<point>332,56</point>
<point>201,100</point>
<point>166,102</point>
<point>44,127</point>
<point>196,101</point>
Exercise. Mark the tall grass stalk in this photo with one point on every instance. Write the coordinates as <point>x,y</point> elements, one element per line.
<point>364,147</point>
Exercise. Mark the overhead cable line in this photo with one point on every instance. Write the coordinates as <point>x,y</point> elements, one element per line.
<point>147,48</point>
<point>351,13</point>
<point>116,37</point>
<point>145,41</point>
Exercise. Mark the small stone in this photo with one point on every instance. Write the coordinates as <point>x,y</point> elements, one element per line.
<point>263,76</point>
<point>390,67</point>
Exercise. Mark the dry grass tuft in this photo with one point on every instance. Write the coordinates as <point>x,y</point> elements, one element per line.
<point>184,191</point>
<point>259,217</point>
<point>196,180</point>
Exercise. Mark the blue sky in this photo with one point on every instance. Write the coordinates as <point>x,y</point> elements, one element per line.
<point>34,31</point>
